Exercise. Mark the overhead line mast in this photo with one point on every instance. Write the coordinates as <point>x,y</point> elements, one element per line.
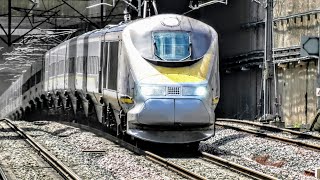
<point>268,71</point>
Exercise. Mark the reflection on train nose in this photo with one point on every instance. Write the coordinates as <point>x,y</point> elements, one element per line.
<point>173,111</point>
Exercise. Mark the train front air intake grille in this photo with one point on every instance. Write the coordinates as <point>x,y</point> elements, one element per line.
<point>174,91</point>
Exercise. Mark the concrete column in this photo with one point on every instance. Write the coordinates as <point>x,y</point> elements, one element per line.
<point>317,171</point>
<point>268,60</point>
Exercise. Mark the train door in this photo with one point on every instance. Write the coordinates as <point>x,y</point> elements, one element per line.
<point>72,71</point>
<point>72,54</point>
<point>101,63</point>
<point>85,73</point>
<point>56,69</point>
<point>113,66</point>
<point>110,65</point>
<point>94,59</point>
<point>46,72</point>
<point>57,72</point>
<point>104,63</point>
<point>66,69</point>
<point>85,62</point>
<point>79,72</point>
<point>52,70</point>
<point>110,73</point>
<point>62,58</point>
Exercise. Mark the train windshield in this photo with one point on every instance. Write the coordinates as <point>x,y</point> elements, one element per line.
<point>172,46</point>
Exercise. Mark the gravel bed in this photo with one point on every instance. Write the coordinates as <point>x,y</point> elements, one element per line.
<point>275,158</point>
<point>313,133</point>
<point>279,134</point>
<point>19,160</point>
<point>206,169</point>
<point>67,144</point>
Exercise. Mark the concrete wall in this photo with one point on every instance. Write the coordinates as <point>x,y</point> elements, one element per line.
<point>288,33</point>
<point>297,83</point>
<point>240,94</point>
<point>240,90</point>
<point>228,20</point>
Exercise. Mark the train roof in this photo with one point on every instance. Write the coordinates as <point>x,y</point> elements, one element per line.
<point>96,33</point>
<point>109,29</point>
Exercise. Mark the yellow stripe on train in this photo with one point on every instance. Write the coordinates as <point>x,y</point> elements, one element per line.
<point>195,73</point>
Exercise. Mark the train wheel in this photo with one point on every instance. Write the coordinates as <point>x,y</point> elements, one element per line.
<point>70,109</point>
<point>109,120</point>
<point>92,115</point>
<point>27,113</point>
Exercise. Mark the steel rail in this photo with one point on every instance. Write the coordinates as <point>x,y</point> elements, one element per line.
<point>2,175</point>
<point>162,161</point>
<point>297,142</point>
<point>265,126</point>
<point>148,155</point>
<point>62,169</point>
<point>236,167</point>
<point>172,166</point>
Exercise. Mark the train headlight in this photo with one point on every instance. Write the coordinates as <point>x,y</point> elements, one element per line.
<point>201,91</point>
<point>194,91</point>
<point>153,91</point>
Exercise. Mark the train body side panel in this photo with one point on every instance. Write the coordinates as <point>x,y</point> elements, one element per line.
<point>61,66</point>
<point>110,69</point>
<point>94,65</point>
<point>46,72</point>
<point>72,50</point>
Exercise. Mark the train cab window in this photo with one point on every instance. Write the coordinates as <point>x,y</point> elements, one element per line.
<point>172,46</point>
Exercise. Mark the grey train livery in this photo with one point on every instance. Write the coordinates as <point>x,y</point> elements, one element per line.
<point>155,79</point>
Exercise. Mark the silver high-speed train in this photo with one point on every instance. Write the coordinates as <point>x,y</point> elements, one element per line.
<point>155,79</point>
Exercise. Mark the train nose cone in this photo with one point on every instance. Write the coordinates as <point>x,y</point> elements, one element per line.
<point>157,112</point>
<point>190,111</point>
<point>172,111</point>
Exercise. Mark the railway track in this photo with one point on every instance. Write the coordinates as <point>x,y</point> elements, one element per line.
<point>236,167</point>
<point>155,157</point>
<point>147,154</point>
<point>272,132</point>
<point>55,163</point>
<point>2,175</point>
<point>185,172</point>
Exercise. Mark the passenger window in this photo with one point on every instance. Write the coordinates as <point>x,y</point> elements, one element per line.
<point>38,76</point>
<point>32,80</point>
<point>93,63</point>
